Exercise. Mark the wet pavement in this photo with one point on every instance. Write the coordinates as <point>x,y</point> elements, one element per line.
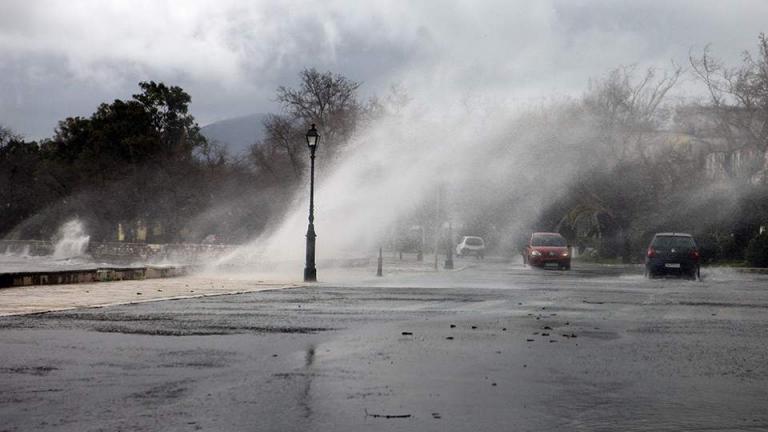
<point>490,346</point>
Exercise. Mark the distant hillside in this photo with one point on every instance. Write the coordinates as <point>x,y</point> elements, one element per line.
<point>236,134</point>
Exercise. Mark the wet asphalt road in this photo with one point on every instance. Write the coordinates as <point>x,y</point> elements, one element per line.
<point>489,347</point>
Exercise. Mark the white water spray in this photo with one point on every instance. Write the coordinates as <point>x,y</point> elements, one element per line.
<point>397,164</point>
<point>72,240</point>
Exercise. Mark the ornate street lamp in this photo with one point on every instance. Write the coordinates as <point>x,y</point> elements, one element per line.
<point>310,272</point>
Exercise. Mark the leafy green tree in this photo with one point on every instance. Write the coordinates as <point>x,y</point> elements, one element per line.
<point>25,185</point>
<point>757,251</point>
<point>168,109</point>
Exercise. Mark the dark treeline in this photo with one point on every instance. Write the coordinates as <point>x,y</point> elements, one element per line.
<point>135,169</point>
<point>140,170</point>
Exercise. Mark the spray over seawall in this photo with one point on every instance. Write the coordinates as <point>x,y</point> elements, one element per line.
<point>482,157</point>
<point>71,241</point>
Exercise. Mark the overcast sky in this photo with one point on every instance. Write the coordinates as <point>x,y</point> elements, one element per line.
<point>62,58</point>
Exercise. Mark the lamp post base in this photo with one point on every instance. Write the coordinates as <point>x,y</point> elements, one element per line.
<point>310,275</point>
<point>310,271</point>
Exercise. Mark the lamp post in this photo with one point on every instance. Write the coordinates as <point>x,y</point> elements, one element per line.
<point>310,272</point>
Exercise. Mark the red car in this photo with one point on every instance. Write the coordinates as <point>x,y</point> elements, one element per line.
<point>546,249</point>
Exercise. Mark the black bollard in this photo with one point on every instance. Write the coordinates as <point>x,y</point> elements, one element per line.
<point>381,259</point>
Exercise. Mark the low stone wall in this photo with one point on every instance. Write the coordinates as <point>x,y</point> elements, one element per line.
<point>126,252</point>
<point>26,247</point>
<point>178,252</point>
<point>109,274</point>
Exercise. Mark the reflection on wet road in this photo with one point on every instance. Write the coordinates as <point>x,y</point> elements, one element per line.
<point>490,346</point>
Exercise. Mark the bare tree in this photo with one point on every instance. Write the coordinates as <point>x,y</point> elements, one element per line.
<point>738,99</point>
<point>326,99</point>
<point>626,109</point>
<point>626,114</point>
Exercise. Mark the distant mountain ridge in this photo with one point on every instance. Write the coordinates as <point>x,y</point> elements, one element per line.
<point>236,134</point>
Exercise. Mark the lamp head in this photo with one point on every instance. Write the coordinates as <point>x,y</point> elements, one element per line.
<point>312,137</point>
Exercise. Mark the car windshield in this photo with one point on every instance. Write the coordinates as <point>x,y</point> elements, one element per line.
<point>670,242</point>
<point>548,240</point>
<point>473,241</point>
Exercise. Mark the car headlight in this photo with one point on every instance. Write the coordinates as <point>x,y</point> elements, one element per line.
<point>565,254</point>
<point>535,253</point>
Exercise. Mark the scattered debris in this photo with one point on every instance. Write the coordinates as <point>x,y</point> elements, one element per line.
<point>545,334</point>
<point>436,415</point>
<point>388,416</point>
<point>407,333</point>
<point>449,337</point>
<point>529,340</point>
<point>547,328</point>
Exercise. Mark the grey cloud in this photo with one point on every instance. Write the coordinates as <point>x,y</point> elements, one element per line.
<point>63,58</point>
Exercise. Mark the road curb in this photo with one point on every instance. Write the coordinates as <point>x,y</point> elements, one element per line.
<point>270,287</point>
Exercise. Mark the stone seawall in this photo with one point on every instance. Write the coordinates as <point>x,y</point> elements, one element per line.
<point>26,247</point>
<point>125,252</point>
<point>178,252</point>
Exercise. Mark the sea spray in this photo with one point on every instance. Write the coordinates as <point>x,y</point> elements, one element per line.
<point>71,240</point>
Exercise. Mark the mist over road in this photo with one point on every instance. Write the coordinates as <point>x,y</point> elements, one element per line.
<point>490,346</point>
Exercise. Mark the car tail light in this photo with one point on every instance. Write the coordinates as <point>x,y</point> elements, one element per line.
<point>695,254</point>
<point>651,252</point>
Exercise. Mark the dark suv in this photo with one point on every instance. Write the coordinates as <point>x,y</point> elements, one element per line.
<point>672,254</point>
